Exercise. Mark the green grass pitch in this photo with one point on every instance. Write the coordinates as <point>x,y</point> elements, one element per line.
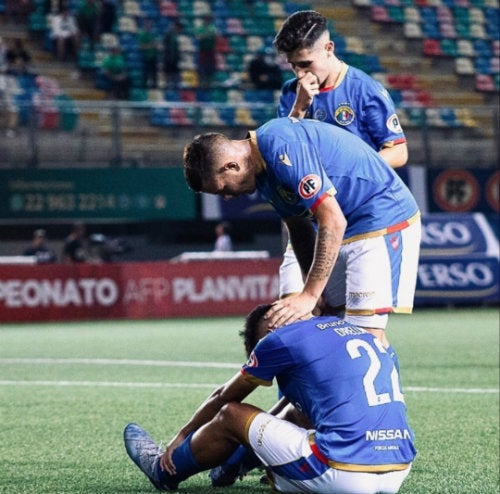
<point>68,389</point>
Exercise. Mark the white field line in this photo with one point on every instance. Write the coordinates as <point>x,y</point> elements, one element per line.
<point>170,363</point>
<point>108,361</point>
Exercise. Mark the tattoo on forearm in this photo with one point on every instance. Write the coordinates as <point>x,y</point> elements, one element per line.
<point>325,258</point>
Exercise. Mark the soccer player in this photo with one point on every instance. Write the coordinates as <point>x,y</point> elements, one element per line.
<point>327,89</point>
<point>367,221</point>
<point>344,384</point>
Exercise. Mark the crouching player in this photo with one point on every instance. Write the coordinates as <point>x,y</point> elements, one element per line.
<point>341,380</point>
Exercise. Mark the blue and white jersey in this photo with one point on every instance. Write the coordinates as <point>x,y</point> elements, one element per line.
<point>358,103</point>
<point>344,381</point>
<point>307,160</point>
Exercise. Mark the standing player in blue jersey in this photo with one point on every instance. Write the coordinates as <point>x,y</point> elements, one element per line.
<point>344,384</point>
<point>364,252</point>
<point>327,89</point>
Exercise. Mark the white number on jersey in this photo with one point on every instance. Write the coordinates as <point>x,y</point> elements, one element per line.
<point>374,398</point>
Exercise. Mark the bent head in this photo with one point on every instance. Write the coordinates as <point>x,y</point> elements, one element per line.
<point>300,30</point>
<point>256,328</point>
<point>217,165</point>
<point>305,41</point>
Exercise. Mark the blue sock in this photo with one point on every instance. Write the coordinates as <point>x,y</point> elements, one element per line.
<point>184,462</point>
<point>245,457</point>
<point>237,457</point>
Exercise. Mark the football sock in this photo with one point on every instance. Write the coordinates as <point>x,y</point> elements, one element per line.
<point>244,457</point>
<point>184,462</point>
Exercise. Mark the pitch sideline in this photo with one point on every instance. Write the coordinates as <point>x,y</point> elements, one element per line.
<point>169,363</point>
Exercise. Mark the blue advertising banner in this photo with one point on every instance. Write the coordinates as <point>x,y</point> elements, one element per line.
<point>459,260</point>
<point>457,235</point>
<point>468,279</point>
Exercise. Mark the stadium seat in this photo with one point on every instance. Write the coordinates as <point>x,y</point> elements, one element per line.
<point>276,10</point>
<point>465,48</point>
<point>243,117</point>
<point>168,8</point>
<point>449,47</point>
<point>485,82</point>
<point>380,14</point>
<point>447,30</point>
<point>412,30</point>
<point>432,48</point>
<point>401,81</point>
<point>464,66</point>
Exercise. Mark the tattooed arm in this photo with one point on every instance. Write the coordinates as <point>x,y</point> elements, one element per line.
<point>331,228</point>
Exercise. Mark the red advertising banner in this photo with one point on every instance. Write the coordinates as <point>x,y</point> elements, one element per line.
<point>135,290</point>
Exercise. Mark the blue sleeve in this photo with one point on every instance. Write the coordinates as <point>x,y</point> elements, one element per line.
<point>380,117</point>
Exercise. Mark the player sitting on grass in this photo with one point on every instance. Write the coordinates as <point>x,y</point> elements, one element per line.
<point>341,379</point>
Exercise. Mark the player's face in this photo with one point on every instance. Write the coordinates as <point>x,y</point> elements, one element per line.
<point>231,180</point>
<point>315,60</point>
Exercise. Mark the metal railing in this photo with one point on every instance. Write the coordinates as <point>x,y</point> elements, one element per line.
<point>116,133</point>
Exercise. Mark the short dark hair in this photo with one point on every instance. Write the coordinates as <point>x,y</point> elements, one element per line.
<point>300,30</point>
<point>199,157</point>
<point>250,333</point>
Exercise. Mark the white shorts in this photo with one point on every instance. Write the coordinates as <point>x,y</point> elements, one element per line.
<point>284,449</point>
<point>371,278</point>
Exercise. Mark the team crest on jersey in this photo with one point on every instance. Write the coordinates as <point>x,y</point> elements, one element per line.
<point>393,124</point>
<point>309,186</point>
<point>320,114</point>
<point>344,115</point>
<point>286,195</point>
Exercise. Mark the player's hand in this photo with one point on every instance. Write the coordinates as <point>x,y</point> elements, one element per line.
<point>166,462</point>
<point>290,309</point>
<point>307,88</point>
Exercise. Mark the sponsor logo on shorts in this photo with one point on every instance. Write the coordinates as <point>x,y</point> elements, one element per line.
<point>344,115</point>
<point>309,186</point>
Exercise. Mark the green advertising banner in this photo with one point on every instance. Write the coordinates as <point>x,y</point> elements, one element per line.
<point>95,194</point>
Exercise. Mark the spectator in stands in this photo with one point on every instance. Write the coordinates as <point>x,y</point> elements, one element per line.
<point>223,243</point>
<point>114,70</point>
<point>172,55</point>
<point>17,57</point>
<point>107,16</point>
<point>87,16</point>
<point>206,34</point>
<point>65,34</point>
<point>148,47</point>
<point>264,72</point>
<point>75,249</point>
<point>39,248</point>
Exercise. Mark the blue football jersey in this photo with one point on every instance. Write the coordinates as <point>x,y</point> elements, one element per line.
<point>307,159</point>
<point>344,381</point>
<point>358,103</point>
